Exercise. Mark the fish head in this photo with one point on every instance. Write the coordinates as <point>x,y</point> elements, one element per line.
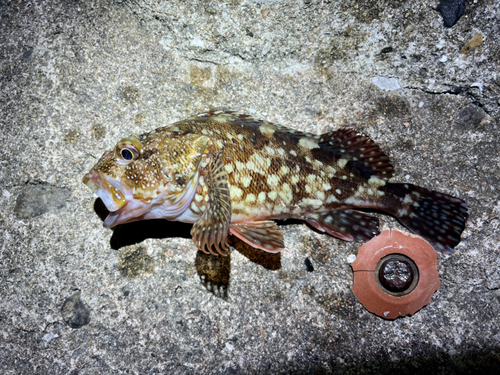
<point>154,175</point>
<point>130,180</point>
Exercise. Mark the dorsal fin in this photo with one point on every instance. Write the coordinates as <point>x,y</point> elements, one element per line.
<point>359,151</point>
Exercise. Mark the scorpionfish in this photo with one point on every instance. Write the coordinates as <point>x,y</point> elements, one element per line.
<point>230,173</point>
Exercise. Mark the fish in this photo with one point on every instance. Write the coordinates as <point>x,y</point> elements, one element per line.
<point>231,174</point>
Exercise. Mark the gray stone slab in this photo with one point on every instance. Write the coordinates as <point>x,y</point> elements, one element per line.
<point>78,76</point>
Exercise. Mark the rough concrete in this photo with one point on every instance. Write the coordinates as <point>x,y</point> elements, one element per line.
<point>78,76</point>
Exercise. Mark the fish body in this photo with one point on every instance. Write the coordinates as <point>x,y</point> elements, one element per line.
<point>230,173</point>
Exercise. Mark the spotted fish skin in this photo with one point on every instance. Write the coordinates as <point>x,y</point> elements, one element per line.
<point>231,173</point>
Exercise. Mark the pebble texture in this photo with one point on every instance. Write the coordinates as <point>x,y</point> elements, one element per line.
<point>78,76</point>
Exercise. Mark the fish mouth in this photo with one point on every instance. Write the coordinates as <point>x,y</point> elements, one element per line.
<point>112,194</point>
<point>126,205</point>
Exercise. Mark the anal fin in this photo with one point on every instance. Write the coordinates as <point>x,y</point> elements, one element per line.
<point>264,235</point>
<point>348,225</point>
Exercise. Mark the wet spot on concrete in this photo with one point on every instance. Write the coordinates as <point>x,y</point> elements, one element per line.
<point>72,136</point>
<point>451,10</point>
<point>27,55</point>
<point>340,48</point>
<point>98,131</point>
<point>74,311</point>
<point>37,200</point>
<point>366,11</point>
<point>135,261</point>
<point>470,117</point>
<point>129,94</point>
<point>392,106</point>
<point>139,118</point>
<point>199,75</point>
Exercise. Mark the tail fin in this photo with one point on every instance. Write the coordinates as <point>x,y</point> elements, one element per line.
<point>437,217</point>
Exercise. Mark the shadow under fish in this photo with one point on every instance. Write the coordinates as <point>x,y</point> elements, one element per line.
<point>214,272</point>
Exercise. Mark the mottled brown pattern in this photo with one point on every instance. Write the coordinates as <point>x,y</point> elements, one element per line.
<point>264,158</point>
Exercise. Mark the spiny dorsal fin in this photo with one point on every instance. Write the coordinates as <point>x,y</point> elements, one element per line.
<point>360,152</point>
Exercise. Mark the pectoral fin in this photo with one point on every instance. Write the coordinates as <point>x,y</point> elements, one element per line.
<point>212,228</point>
<point>348,225</point>
<point>264,235</point>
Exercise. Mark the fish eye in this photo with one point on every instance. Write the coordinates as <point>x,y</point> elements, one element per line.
<point>128,150</point>
<point>129,153</point>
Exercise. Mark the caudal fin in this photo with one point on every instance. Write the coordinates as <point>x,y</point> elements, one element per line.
<point>437,217</point>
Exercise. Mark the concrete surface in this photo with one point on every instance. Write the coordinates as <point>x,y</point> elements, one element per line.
<point>77,76</point>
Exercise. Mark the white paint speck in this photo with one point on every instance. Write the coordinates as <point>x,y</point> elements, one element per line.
<point>296,68</point>
<point>49,336</point>
<point>478,85</point>
<point>386,83</point>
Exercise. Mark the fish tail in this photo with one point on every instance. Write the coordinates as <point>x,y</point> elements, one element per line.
<point>437,217</point>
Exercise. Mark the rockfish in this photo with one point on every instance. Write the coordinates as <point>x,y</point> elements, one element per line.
<point>230,173</point>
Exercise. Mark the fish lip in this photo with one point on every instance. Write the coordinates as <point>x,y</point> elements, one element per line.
<point>111,220</point>
<point>98,182</point>
<point>120,212</point>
